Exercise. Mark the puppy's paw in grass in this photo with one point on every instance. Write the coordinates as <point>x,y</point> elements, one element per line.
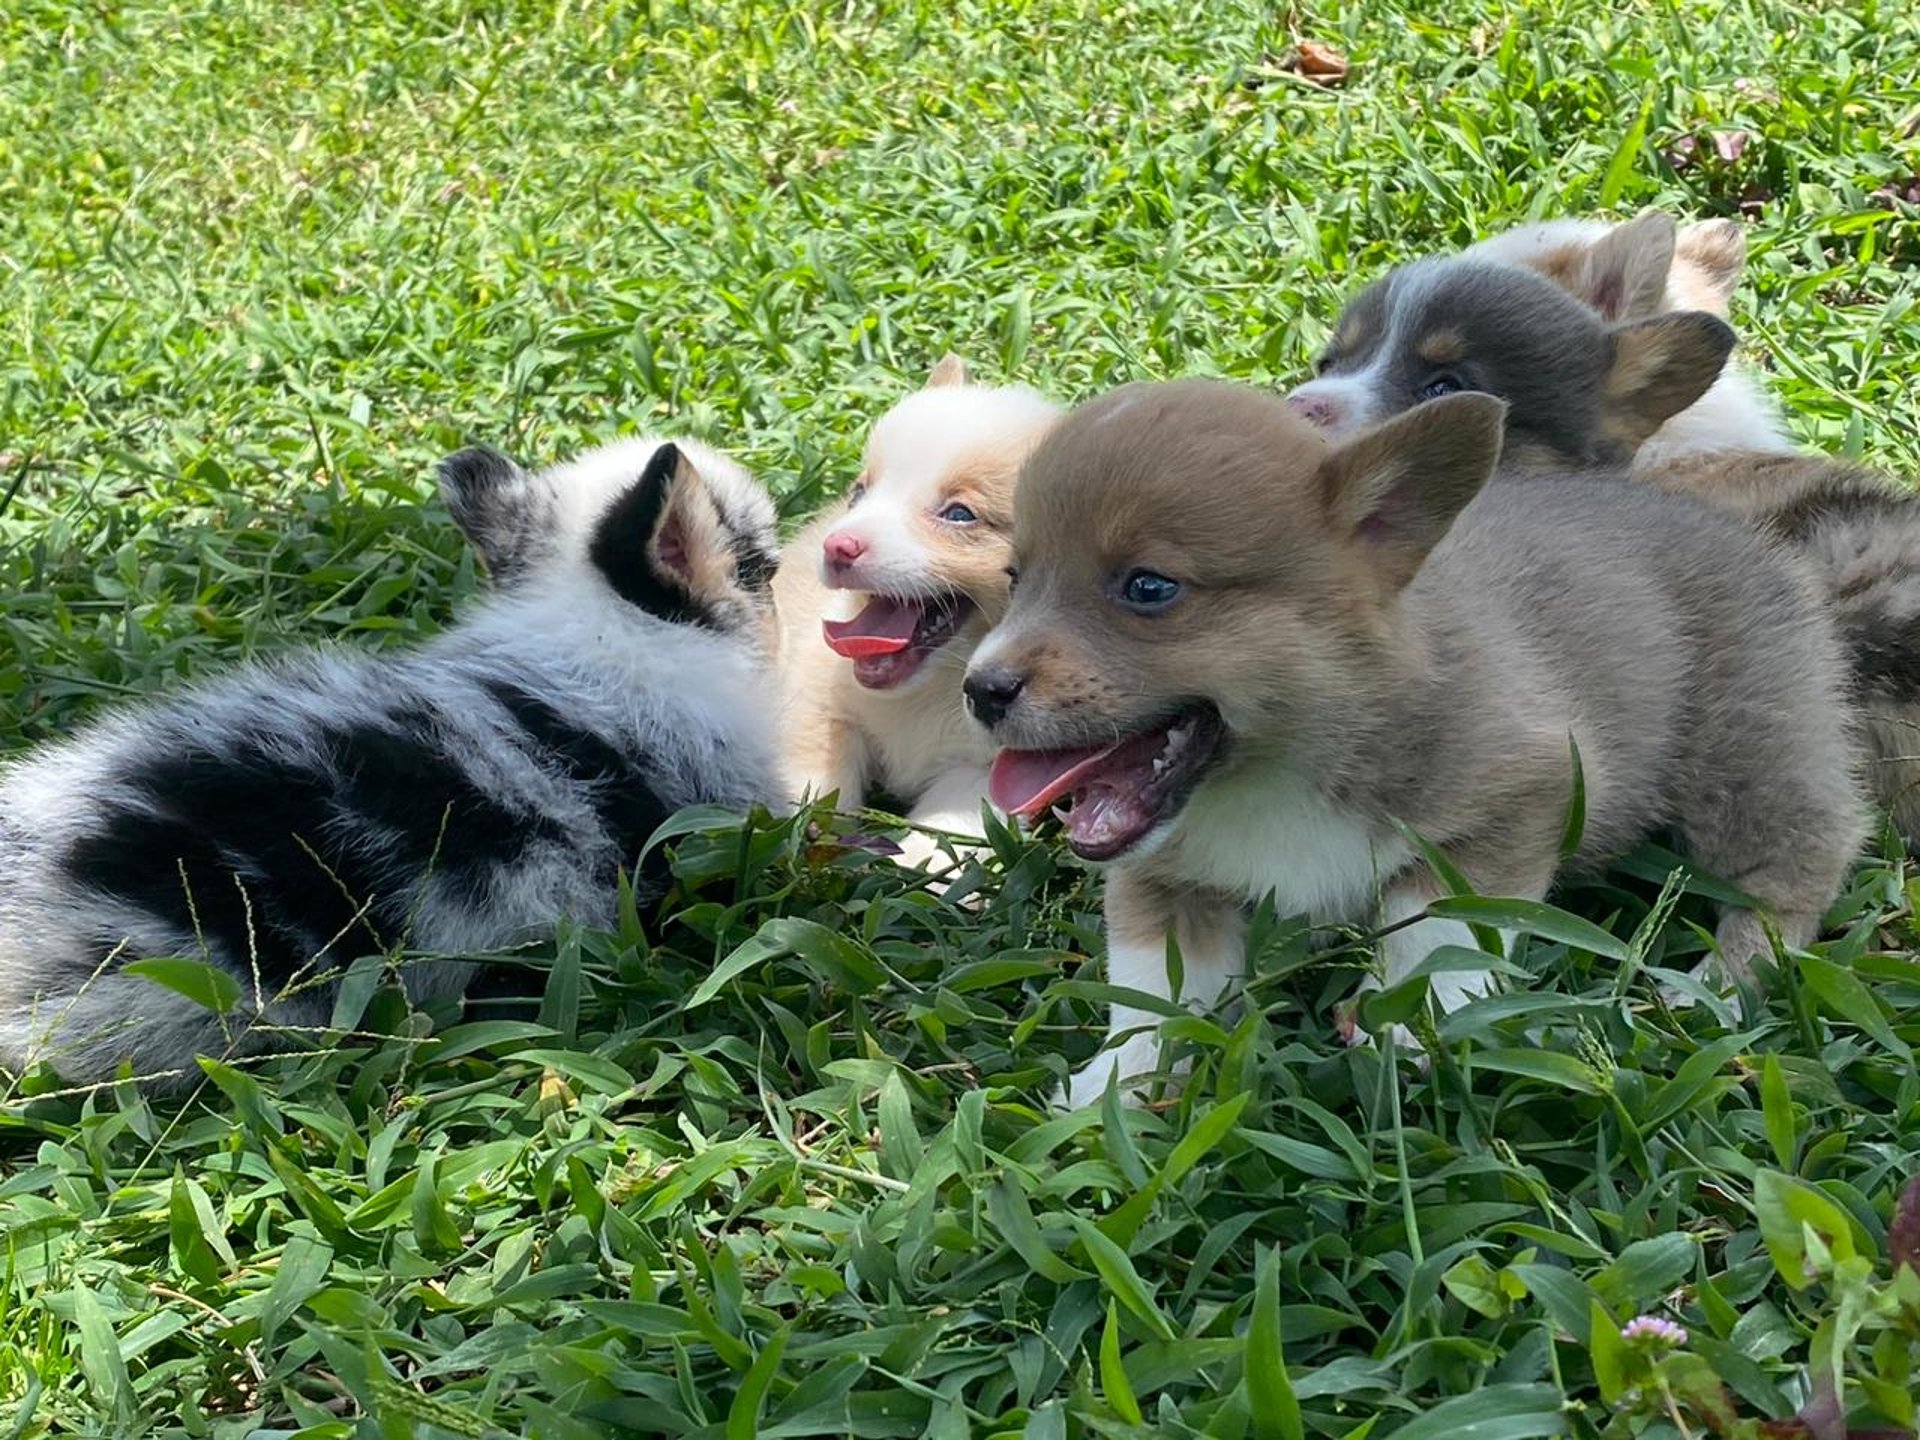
<point>1136,1056</point>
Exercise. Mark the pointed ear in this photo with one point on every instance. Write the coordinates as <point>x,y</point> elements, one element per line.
<point>687,540</point>
<point>1623,275</point>
<point>1709,258</point>
<point>491,501</point>
<point>655,541</point>
<point>1397,488</point>
<point>1660,367</point>
<point>951,370</point>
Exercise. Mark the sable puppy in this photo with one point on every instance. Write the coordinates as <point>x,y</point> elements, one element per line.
<point>1235,654</point>
<point>886,595</point>
<point>458,798</point>
<point>1583,390</point>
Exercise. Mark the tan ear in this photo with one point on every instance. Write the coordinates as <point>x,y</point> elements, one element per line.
<point>1623,275</point>
<point>951,370</point>
<point>1709,258</point>
<point>689,543</point>
<point>1397,488</point>
<point>1660,367</point>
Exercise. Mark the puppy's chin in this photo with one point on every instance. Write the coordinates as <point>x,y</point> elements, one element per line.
<point>1118,797</point>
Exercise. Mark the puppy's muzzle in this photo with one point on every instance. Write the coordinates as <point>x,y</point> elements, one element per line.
<point>991,691</point>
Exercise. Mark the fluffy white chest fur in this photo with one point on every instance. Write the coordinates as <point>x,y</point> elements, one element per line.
<point>1278,834</point>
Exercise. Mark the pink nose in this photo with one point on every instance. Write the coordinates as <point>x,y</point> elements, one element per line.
<point>843,548</point>
<point>1315,409</point>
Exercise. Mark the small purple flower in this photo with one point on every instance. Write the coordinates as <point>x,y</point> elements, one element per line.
<point>1655,1332</point>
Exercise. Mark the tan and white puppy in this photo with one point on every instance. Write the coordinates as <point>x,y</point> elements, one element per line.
<point>886,595</point>
<point>1237,654</point>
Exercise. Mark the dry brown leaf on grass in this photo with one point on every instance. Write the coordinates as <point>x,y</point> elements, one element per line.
<point>1321,64</point>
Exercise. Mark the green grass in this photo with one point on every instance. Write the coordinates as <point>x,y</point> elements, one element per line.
<point>260,264</point>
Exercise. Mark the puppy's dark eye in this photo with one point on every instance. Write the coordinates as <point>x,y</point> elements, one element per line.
<point>958,514</point>
<point>1323,364</point>
<point>1146,591</point>
<point>857,493</point>
<point>1013,579</point>
<point>1442,385</point>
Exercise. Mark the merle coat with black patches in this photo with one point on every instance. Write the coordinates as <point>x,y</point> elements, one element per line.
<point>451,800</point>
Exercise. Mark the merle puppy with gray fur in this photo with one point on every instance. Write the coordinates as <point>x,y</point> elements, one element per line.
<point>455,799</point>
<point>1590,366</point>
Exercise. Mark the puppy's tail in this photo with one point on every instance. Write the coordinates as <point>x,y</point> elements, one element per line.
<point>1860,533</point>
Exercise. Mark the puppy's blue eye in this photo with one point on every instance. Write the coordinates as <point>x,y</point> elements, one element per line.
<point>1144,590</point>
<point>958,514</point>
<point>1441,385</point>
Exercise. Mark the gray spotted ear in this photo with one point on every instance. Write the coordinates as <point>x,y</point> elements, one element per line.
<point>491,500</point>
<point>951,370</point>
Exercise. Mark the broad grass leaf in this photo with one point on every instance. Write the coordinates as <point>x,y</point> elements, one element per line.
<point>311,1201</point>
<point>1625,154</point>
<point>1574,829</point>
<point>1843,993</point>
<point>199,1247</point>
<point>743,1416</point>
<point>433,1227</point>
<point>1009,1213</point>
<point>560,1001</point>
<point>1496,1412</point>
<point>900,1143</point>
<point>1776,1106</point>
<point>1270,1399</point>
<point>100,1357</point>
<point>356,990</point>
<point>1788,1209</point>
<point>1549,1066</point>
<point>594,1071</point>
<point>1609,1353</point>
<point>459,1040</point>
<point>212,987</point>
<point>1113,1373</point>
<point>1702,1072</point>
<point>1646,1270</point>
<point>1531,917</point>
<point>302,1273</point>
<point>1123,1282</point>
<point>1202,1136</point>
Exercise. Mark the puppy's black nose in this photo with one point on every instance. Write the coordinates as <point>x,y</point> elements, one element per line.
<point>991,693</point>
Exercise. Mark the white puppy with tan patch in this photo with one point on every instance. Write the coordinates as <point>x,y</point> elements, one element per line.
<point>886,596</point>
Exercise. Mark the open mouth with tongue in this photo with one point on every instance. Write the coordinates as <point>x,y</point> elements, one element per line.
<point>894,634</point>
<point>1109,797</point>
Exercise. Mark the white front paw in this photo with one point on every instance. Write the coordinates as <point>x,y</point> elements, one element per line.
<point>1136,1055</point>
<point>921,851</point>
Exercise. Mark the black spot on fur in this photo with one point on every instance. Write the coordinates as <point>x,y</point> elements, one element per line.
<point>753,565</point>
<point>1886,657</point>
<point>620,540</point>
<point>621,790</point>
<point>489,499</point>
<point>1846,501</point>
<point>276,858</point>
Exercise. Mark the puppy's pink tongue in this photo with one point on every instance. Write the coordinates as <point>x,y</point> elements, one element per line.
<point>1025,782</point>
<point>884,627</point>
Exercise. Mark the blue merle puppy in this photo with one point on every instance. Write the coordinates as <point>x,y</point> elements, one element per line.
<point>454,799</point>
